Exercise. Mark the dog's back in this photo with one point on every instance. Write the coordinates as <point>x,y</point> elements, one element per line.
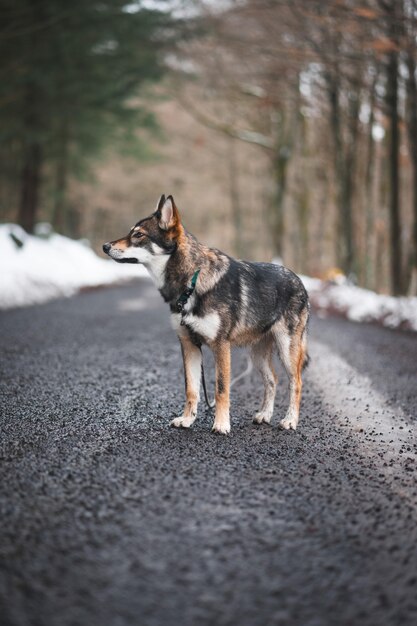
<point>257,296</point>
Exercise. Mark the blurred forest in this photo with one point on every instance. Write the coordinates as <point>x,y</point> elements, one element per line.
<point>284,128</point>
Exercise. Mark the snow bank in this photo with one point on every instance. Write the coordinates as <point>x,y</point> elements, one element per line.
<point>361,305</point>
<point>34,269</point>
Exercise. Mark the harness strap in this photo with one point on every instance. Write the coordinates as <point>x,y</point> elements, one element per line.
<point>185,296</point>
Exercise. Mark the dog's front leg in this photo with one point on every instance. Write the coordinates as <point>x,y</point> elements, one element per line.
<point>191,355</point>
<point>222,357</point>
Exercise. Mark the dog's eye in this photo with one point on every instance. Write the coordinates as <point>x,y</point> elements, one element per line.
<point>137,238</point>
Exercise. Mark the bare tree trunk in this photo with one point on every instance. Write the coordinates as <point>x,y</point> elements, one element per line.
<point>61,174</point>
<point>279,165</point>
<point>412,137</point>
<point>369,209</point>
<point>234,198</point>
<point>303,205</point>
<point>349,173</point>
<point>285,131</point>
<point>344,172</point>
<point>30,183</point>
<point>303,215</point>
<point>395,227</point>
<point>30,178</point>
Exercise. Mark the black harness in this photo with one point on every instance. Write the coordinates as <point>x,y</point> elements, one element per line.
<point>185,296</point>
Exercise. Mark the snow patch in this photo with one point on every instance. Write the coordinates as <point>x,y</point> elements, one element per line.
<point>361,305</point>
<point>36,269</point>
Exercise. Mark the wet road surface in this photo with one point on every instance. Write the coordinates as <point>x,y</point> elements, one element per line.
<point>110,517</point>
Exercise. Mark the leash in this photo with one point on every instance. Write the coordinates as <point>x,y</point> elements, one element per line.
<point>211,404</point>
<point>246,372</point>
<point>181,302</point>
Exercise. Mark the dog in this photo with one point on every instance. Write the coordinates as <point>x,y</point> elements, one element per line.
<point>222,302</point>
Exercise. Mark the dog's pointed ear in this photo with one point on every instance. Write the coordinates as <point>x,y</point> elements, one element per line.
<point>168,214</point>
<point>160,203</point>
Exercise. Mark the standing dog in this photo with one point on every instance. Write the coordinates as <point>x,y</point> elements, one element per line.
<point>221,302</point>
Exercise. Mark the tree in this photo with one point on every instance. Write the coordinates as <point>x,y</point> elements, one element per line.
<point>410,13</point>
<point>332,72</point>
<point>70,71</point>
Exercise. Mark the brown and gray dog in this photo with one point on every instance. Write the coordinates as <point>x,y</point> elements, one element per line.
<point>222,302</point>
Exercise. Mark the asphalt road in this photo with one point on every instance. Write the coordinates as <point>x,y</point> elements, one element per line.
<point>110,517</point>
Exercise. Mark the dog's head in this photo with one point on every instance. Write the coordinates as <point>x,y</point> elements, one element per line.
<point>153,236</point>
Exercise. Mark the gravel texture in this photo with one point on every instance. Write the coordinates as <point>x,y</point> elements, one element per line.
<point>110,517</point>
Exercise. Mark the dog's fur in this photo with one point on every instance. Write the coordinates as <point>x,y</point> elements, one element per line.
<point>235,303</point>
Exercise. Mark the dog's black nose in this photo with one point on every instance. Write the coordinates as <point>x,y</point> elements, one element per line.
<point>106,247</point>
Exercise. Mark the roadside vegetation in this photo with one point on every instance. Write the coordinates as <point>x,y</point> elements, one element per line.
<point>285,129</point>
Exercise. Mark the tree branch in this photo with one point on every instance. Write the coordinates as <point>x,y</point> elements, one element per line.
<point>248,136</point>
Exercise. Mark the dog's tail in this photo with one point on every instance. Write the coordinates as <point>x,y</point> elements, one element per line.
<point>307,358</point>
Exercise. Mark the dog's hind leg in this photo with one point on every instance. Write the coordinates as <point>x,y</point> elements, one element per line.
<point>261,355</point>
<point>191,355</point>
<point>292,350</point>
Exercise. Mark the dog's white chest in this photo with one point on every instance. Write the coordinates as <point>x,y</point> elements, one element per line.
<point>206,326</point>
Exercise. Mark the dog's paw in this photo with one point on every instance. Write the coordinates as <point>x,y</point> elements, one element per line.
<point>262,418</point>
<point>223,427</point>
<point>290,422</point>
<point>182,422</point>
